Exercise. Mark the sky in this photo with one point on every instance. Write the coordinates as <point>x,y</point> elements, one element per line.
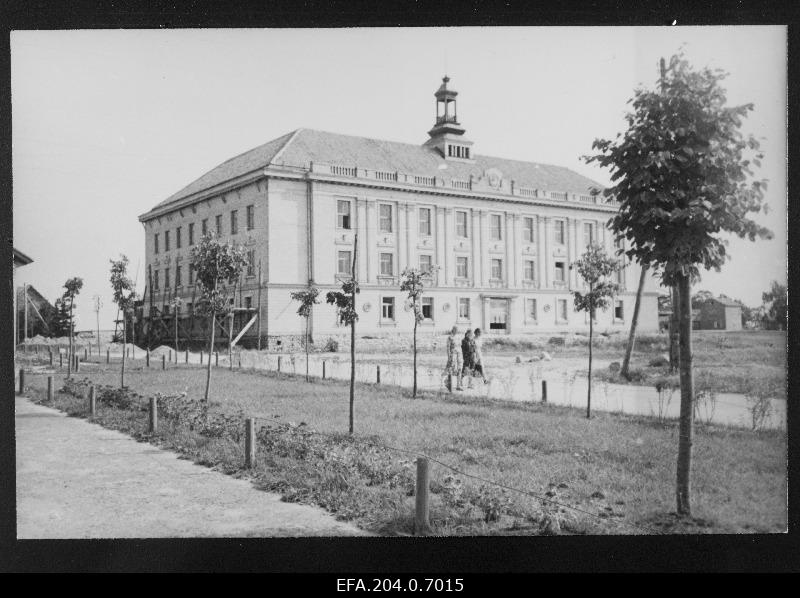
<point>108,123</point>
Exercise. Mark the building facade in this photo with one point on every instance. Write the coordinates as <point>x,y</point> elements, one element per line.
<point>502,234</point>
<point>719,313</point>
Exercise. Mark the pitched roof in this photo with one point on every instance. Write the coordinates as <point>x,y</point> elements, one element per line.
<point>726,301</point>
<point>303,146</point>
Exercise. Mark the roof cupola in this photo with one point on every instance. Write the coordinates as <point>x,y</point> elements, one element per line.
<point>446,136</point>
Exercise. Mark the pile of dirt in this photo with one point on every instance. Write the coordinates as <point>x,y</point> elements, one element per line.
<point>162,350</point>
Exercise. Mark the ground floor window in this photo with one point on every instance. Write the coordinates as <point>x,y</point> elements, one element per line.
<point>619,311</point>
<point>497,269</point>
<point>427,308</point>
<point>561,310</point>
<point>344,263</point>
<point>387,265</point>
<point>387,308</point>
<point>530,310</point>
<point>498,314</point>
<point>463,308</point>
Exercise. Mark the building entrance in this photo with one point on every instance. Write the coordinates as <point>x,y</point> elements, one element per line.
<point>498,315</point>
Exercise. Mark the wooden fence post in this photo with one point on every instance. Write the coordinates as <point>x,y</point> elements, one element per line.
<point>153,414</point>
<point>240,359</point>
<point>85,354</point>
<point>60,359</point>
<point>422,514</point>
<point>77,363</point>
<point>279,363</point>
<point>163,362</point>
<point>187,356</point>
<point>147,357</point>
<point>216,359</point>
<point>50,390</point>
<point>170,355</point>
<point>201,357</point>
<point>108,355</point>
<point>323,369</point>
<point>51,357</point>
<point>21,381</point>
<point>378,375</point>
<point>544,391</point>
<point>250,442</point>
<point>92,401</point>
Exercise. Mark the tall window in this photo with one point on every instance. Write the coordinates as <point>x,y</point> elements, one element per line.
<point>497,227</point>
<point>155,243</point>
<point>386,218</point>
<point>191,233</point>
<point>425,222</point>
<point>559,231</point>
<point>530,310</point>
<point>560,272</point>
<point>463,308</point>
<point>425,262</point>
<point>462,267</point>
<point>251,262</point>
<point>248,302</point>
<point>234,221</point>
<point>166,278</point>
<point>177,276</point>
<point>218,223</point>
<point>155,280</point>
<point>343,213</point>
<point>204,226</point>
<point>497,269</point>
<point>527,230</point>
<point>251,217</point>
<point>588,233</point>
<point>561,309</point>
<point>387,264</point>
<point>427,308</point>
<point>619,311</point>
<point>530,270</point>
<point>344,264</point>
<point>387,308</point>
<point>178,237</point>
<point>461,224</point>
<point>166,240</point>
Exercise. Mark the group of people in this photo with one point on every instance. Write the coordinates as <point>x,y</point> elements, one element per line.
<point>469,362</point>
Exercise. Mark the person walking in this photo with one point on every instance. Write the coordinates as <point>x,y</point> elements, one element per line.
<point>453,366</point>
<point>479,355</point>
<point>468,355</point>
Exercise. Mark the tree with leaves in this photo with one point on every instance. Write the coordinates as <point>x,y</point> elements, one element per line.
<point>73,288</point>
<point>413,282</point>
<point>345,302</point>
<point>217,268</point>
<point>774,302</point>
<point>124,297</point>
<point>594,267</point>
<point>307,299</point>
<point>682,174</point>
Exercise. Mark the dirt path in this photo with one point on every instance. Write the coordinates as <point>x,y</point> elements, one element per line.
<point>79,480</point>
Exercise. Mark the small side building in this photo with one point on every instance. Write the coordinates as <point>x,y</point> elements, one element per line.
<point>720,313</point>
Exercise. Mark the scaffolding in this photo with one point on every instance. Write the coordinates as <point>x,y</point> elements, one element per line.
<point>163,320</point>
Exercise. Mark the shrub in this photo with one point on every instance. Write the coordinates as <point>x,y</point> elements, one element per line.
<point>659,362</point>
<point>332,346</point>
<point>759,395</point>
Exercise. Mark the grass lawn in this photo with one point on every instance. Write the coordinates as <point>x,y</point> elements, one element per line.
<point>619,469</point>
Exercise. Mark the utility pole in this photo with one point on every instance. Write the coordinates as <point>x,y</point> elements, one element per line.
<point>25,310</point>
<point>97,305</point>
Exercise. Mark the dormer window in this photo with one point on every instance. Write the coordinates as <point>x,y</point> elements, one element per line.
<point>458,151</point>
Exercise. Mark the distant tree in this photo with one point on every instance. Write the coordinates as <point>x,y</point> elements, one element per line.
<point>345,302</point>
<point>60,321</point>
<point>700,297</point>
<point>681,177</point>
<point>413,282</point>
<point>774,302</point>
<point>124,297</point>
<point>594,266</point>
<point>217,267</point>
<point>307,299</point>
<point>73,288</point>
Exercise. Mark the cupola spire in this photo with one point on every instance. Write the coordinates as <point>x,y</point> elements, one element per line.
<point>447,133</point>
